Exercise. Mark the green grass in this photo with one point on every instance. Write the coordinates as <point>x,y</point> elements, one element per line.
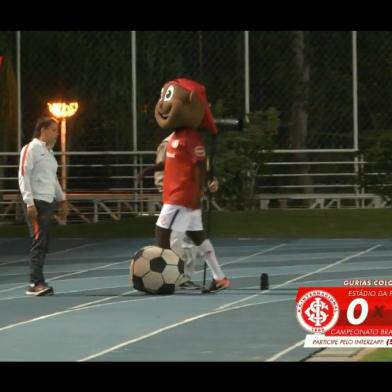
<point>344,223</point>
<point>305,223</point>
<point>379,355</point>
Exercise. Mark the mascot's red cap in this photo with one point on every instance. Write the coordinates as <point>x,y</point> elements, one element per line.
<point>200,90</point>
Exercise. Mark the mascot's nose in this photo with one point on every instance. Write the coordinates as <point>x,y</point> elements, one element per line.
<point>164,107</point>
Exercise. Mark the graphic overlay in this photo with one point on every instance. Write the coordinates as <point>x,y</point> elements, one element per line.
<point>317,311</point>
<point>357,315</point>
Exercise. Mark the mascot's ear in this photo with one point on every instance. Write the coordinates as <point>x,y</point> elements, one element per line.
<point>195,102</point>
<point>194,111</point>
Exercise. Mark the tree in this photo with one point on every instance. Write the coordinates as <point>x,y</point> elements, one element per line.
<point>241,157</point>
<point>8,106</point>
<point>299,128</point>
<point>8,96</point>
<point>377,178</point>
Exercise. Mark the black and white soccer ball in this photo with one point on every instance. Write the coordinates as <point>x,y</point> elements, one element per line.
<point>155,270</point>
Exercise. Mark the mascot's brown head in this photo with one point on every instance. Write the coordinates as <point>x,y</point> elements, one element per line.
<point>183,103</point>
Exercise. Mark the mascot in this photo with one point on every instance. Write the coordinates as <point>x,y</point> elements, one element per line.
<point>183,109</point>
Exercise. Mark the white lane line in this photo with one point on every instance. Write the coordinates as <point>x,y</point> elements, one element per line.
<point>79,272</point>
<point>46,316</point>
<point>171,326</point>
<point>248,257</point>
<point>104,288</point>
<point>147,297</point>
<point>94,288</point>
<point>285,351</point>
<point>100,256</point>
<point>103,299</point>
<point>61,293</point>
<point>54,272</point>
<point>68,274</point>
<point>70,310</point>
<point>49,254</point>
<point>304,276</point>
<point>220,310</point>
<point>85,307</point>
<point>335,280</point>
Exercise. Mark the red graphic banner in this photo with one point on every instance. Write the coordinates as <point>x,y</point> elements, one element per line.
<point>345,311</point>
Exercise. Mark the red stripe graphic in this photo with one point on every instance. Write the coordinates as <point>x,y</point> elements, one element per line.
<point>24,159</point>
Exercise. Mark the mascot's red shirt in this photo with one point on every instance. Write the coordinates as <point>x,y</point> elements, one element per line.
<point>180,184</point>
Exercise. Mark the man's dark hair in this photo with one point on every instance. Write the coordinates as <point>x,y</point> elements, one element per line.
<point>43,122</point>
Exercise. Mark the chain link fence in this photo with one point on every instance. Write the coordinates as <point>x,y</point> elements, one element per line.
<point>374,85</point>
<point>90,67</point>
<point>305,77</point>
<point>214,57</point>
<point>287,70</point>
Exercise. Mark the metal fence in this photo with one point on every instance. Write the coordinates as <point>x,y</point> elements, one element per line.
<point>337,80</point>
<point>116,76</point>
<point>331,89</point>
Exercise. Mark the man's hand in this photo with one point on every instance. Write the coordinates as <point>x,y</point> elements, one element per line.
<point>63,209</point>
<point>213,185</point>
<point>32,212</point>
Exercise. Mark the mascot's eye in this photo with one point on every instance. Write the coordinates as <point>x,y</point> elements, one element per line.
<point>169,94</point>
<point>161,93</point>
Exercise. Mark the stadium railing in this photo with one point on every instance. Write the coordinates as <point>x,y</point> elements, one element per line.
<point>103,185</point>
<point>316,179</point>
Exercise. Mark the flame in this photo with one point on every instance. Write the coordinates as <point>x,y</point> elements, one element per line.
<point>61,109</point>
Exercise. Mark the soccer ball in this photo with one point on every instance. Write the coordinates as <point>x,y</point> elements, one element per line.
<point>155,270</point>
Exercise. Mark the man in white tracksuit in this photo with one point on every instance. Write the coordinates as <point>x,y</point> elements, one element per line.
<point>40,188</point>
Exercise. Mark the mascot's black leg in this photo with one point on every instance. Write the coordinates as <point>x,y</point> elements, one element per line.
<point>162,237</point>
<point>197,237</point>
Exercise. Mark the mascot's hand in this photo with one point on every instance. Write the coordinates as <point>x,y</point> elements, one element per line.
<point>213,185</point>
<point>140,175</point>
<point>145,172</point>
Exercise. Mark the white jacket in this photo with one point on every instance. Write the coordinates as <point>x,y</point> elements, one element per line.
<point>38,173</point>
